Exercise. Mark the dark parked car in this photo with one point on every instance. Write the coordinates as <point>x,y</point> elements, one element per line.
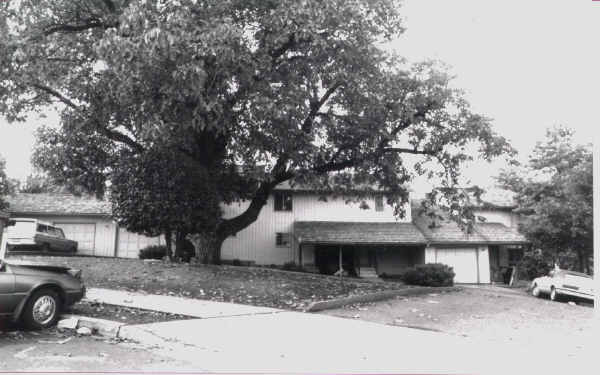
<point>35,294</point>
<point>33,234</point>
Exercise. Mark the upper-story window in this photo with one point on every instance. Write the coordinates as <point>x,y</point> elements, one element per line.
<point>283,200</point>
<point>379,203</point>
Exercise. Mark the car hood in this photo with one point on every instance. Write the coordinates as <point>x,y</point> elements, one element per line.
<point>28,268</point>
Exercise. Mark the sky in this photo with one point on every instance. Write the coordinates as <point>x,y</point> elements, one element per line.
<point>528,65</point>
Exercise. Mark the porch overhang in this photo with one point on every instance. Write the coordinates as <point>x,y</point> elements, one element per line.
<point>350,233</point>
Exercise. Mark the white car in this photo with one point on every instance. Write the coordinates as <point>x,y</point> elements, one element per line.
<point>562,283</point>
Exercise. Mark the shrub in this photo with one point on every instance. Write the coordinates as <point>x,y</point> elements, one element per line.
<point>533,265</point>
<point>236,262</point>
<point>153,252</point>
<point>430,274</point>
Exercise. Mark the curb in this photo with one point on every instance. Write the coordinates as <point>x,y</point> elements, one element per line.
<point>378,296</point>
<point>104,327</point>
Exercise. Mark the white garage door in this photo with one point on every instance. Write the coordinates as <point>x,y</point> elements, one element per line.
<point>463,261</point>
<point>83,233</point>
<point>131,243</point>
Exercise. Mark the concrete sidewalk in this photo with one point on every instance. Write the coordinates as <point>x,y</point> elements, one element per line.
<point>175,305</point>
<point>240,338</point>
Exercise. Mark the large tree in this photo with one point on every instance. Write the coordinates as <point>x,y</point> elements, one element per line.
<point>554,193</point>
<point>251,92</point>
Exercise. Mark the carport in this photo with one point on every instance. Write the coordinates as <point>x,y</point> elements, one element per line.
<point>357,248</point>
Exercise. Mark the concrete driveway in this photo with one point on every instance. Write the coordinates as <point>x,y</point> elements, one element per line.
<point>294,342</point>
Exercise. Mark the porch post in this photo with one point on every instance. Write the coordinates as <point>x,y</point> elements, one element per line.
<point>340,261</point>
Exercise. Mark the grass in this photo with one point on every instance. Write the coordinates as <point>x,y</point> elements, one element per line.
<point>246,285</point>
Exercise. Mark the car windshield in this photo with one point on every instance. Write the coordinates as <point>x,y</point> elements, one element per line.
<point>22,229</point>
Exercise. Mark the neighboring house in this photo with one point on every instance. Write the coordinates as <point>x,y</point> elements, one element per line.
<point>84,219</point>
<point>299,226</point>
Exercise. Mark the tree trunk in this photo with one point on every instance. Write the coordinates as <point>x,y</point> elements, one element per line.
<point>169,243</point>
<point>207,247</point>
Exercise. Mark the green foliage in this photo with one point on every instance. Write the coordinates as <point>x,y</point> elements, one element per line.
<point>534,265</point>
<point>254,93</point>
<point>153,252</point>
<point>157,193</point>
<point>41,183</point>
<point>6,185</point>
<point>554,194</point>
<point>430,274</point>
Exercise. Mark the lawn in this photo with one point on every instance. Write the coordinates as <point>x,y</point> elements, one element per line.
<point>246,285</point>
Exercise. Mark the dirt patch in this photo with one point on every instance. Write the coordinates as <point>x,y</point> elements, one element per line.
<point>246,285</point>
<point>123,314</point>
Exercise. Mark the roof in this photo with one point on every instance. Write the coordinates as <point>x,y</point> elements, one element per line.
<point>498,198</point>
<point>445,231</point>
<point>57,204</point>
<point>499,233</point>
<point>328,232</point>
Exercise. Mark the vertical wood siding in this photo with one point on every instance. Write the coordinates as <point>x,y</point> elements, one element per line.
<point>257,242</point>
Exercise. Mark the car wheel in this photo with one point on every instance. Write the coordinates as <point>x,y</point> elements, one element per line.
<point>554,294</point>
<point>42,309</point>
<point>535,291</point>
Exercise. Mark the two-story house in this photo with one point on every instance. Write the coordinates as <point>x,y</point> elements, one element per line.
<point>299,226</point>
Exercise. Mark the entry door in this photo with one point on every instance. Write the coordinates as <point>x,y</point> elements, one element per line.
<point>463,261</point>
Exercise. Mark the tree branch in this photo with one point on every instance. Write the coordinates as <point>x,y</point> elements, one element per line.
<point>315,106</point>
<point>111,134</point>
<point>401,150</point>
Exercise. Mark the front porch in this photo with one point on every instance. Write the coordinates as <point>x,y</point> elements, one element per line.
<point>358,249</point>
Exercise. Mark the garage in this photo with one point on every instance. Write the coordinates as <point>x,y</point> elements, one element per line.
<point>83,233</point>
<point>129,244</point>
<point>462,260</point>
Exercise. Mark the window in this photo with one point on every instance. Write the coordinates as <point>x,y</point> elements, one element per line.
<point>283,201</point>
<point>283,240</point>
<point>379,203</point>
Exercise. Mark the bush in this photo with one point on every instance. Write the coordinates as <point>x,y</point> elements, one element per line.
<point>236,262</point>
<point>153,252</point>
<point>430,274</point>
<point>533,265</point>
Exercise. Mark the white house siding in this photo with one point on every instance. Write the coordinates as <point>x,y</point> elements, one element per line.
<point>484,265</point>
<point>257,242</point>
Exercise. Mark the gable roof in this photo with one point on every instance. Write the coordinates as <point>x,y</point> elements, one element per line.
<point>57,204</point>
<point>328,232</point>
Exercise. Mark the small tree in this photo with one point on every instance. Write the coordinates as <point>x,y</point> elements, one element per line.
<point>554,194</point>
<point>6,185</point>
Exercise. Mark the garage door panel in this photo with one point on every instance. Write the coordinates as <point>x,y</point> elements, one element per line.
<point>131,243</point>
<point>83,233</point>
<point>463,261</point>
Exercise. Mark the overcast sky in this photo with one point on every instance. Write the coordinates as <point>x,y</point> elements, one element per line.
<point>529,65</point>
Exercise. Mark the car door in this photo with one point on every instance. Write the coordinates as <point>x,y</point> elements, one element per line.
<point>42,236</point>
<point>8,301</point>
